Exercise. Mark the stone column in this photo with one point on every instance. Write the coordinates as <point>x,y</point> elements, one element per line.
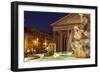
<point>60,41</point>
<point>57,41</point>
<point>64,40</point>
<point>69,40</point>
<point>54,36</point>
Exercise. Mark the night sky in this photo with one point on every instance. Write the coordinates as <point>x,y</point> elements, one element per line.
<point>41,20</point>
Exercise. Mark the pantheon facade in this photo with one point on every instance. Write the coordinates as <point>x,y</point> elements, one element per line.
<point>63,29</point>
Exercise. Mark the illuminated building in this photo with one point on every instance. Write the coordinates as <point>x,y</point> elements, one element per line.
<point>36,41</point>
<point>63,29</point>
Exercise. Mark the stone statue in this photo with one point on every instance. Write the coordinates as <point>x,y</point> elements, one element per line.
<point>79,44</point>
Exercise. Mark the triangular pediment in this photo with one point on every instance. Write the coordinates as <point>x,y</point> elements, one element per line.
<point>72,18</point>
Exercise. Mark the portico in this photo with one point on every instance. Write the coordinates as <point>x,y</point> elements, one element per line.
<point>62,31</point>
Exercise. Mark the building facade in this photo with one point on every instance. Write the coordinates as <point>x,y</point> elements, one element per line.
<point>36,41</point>
<point>63,30</point>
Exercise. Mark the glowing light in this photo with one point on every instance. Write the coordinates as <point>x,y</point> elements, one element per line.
<point>36,42</point>
<point>37,39</point>
<point>45,43</point>
<point>26,43</point>
<point>28,51</point>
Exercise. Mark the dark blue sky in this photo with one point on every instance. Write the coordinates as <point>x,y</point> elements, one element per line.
<point>41,20</point>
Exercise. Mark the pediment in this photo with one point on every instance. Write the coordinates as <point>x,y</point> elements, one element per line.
<point>72,18</point>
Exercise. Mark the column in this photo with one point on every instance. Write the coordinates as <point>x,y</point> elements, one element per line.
<point>64,40</point>
<point>58,42</point>
<point>54,36</point>
<point>69,40</point>
<point>61,41</point>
